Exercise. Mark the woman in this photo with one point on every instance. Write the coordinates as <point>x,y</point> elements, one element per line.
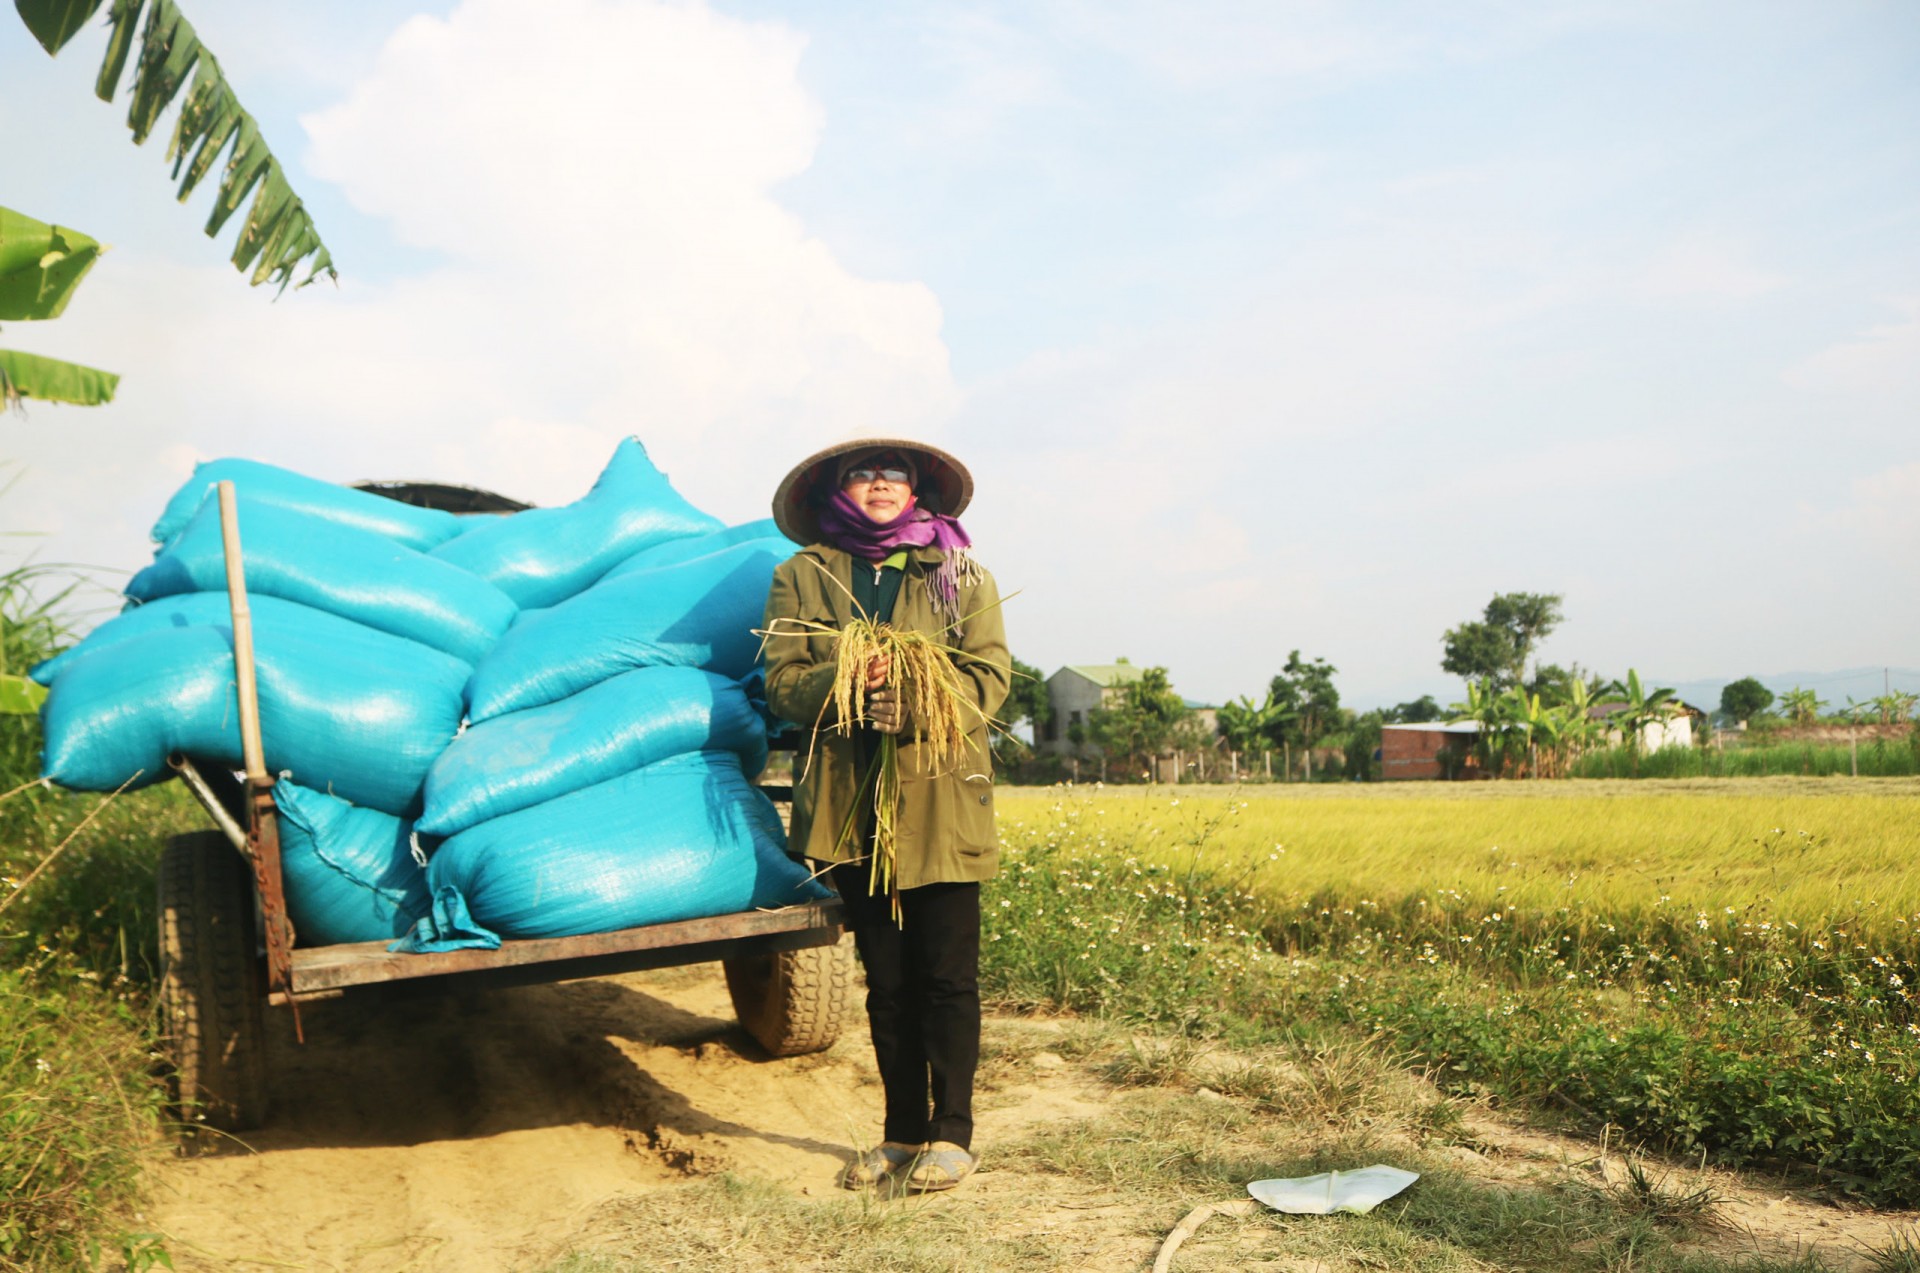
<point>878,516</point>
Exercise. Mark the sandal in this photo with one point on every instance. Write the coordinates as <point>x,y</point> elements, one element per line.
<point>877,1164</point>
<point>942,1166</point>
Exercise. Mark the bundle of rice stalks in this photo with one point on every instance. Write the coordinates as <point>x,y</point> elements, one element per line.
<point>934,702</point>
<point>936,706</point>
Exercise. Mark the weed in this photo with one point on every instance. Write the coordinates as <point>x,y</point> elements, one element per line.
<point>1177,1061</point>
<point>1901,1254</point>
<point>79,1113</point>
<point>1642,1195</point>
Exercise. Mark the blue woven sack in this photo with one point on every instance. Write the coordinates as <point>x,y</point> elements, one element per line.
<point>348,710</point>
<point>419,528</point>
<point>676,551</point>
<point>188,610</point>
<point>619,725</point>
<point>701,613</point>
<point>683,838</point>
<point>341,569</point>
<point>545,555</point>
<point>349,873</point>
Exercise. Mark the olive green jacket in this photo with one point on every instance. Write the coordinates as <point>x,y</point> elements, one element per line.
<point>944,828</point>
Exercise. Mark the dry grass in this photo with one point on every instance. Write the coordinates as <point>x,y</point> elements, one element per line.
<point>1188,1123</point>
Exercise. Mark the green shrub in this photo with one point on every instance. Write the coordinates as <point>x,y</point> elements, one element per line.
<point>79,1103</point>
<point>77,1112</point>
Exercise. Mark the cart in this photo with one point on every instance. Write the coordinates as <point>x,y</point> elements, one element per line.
<point>228,951</point>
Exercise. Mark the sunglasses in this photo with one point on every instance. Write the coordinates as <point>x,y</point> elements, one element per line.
<point>876,473</point>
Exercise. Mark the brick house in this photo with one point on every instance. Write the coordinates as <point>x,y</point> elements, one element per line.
<point>1414,751</point>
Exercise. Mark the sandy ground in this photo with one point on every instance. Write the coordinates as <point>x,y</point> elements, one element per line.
<point>482,1131</point>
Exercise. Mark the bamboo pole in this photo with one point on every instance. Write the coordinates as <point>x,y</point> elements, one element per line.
<point>250,747</point>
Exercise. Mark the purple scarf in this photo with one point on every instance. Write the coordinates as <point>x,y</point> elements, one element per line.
<point>846,526</point>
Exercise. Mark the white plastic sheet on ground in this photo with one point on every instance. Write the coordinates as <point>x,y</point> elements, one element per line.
<point>1356,1191</point>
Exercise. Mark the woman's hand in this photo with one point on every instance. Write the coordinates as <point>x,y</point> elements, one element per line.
<point>885,711</point>
<point>879,668</point>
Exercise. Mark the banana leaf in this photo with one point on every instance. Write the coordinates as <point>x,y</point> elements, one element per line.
<point>50,380</point>
<point>19,696</point>
<point>40,266</point>
<point>278,234</point>
<point>53,24</point>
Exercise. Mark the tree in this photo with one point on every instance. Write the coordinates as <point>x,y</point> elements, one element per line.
<point>1363,739</point>
<point>1248,726</point>
<point>1494,649</point>
<point>1744,699</point>
<point>1896,705</point>
<point>1418,712</point>
<point>277,234</point>
<point>1803,706</point>
<point>1027,699</point>
<point>1141,720</point>
<point>1478,653</point>
<point>1555,684</point>
<point>1641,707</point>
<point>1303,691</point>
<point>41,267</point>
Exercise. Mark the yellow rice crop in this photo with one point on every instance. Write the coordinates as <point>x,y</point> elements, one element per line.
<point>1806,849</point>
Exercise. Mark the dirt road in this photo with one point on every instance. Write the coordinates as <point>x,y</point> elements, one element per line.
<point>477,1132</point>
<point>487,1131</point>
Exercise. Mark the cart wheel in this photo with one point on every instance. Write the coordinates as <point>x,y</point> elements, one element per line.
<point>796,1001</point>
<point>212,986</point>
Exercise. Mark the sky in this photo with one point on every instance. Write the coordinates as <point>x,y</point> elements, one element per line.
<point>1261,326</point>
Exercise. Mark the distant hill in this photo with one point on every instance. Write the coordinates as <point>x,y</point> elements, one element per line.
<point>1860,683</point>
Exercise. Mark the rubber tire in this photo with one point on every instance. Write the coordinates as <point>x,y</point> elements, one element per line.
<point>794,1002</point>
<point>212,985</point>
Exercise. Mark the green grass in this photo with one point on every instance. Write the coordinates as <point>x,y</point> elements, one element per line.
<point>77,1116</point>
<point>1876,758</point>
<point>1546,971</point>
<point>79,1103</point>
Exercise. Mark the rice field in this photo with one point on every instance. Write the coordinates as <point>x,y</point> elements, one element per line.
<point>1809,850</point>
<point>1718,967</point>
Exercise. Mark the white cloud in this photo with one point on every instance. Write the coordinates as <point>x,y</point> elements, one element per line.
<point>1881,515</point>
<point>1882,361</point>
<point>1706,268</point>
<point>591,184</point>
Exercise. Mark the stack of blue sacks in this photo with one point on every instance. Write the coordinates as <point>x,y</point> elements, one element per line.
<point>536,725</point>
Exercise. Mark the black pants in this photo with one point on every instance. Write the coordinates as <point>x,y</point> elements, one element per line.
<point>923,1002</point>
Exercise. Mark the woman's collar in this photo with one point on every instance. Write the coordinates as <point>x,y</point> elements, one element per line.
<point>825,552</point>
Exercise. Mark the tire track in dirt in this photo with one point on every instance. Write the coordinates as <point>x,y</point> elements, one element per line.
<point>473,1131</point>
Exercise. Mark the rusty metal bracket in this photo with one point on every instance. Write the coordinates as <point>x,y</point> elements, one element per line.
<point>263,842</point>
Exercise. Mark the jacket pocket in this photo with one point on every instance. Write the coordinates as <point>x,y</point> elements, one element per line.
<point>973,812</point>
